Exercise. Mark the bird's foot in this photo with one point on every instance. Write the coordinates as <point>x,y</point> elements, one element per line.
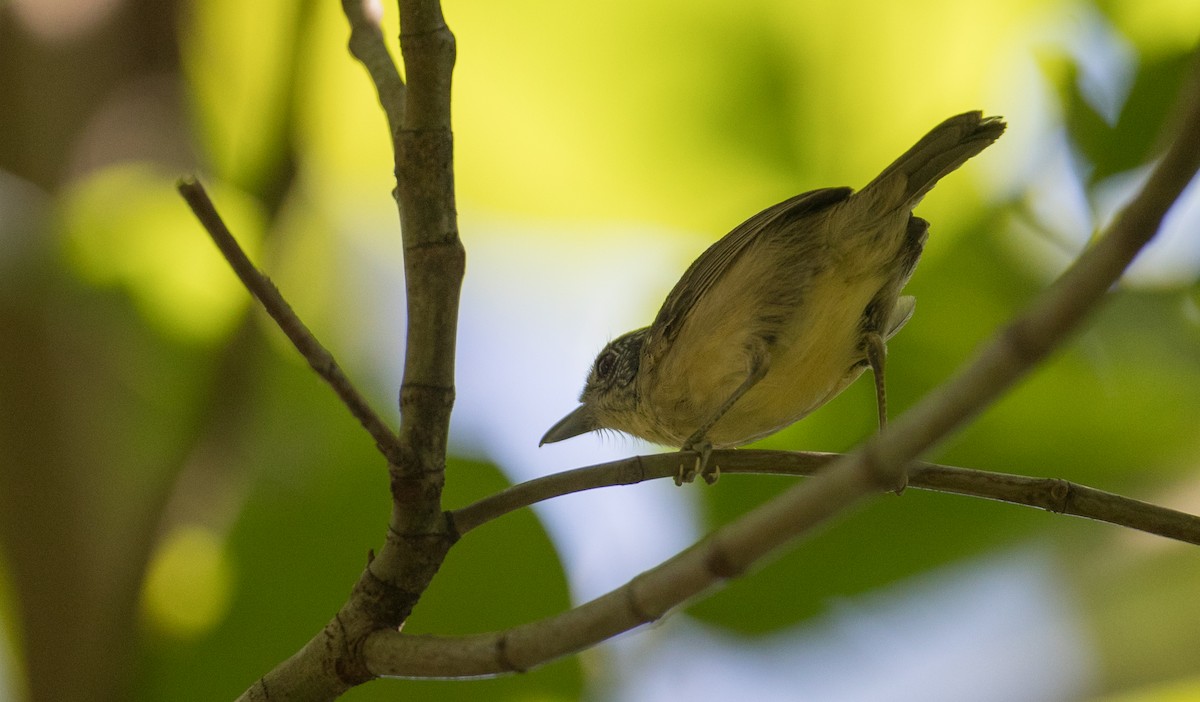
<point>702,466</point>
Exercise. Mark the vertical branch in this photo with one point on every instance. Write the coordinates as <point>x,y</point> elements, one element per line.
<point>434,260</point>
<point>419,535</point>
<point>433,254</point>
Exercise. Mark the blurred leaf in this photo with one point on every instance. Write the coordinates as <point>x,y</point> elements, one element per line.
<point>188,583</point>
<point>1156,27</point>
<point>1175,691</point>
<point>886,540</point>
<point>238,61</point>
<point>1132,140</point>
<point>1139,597</point>
<point>126,226</point>
<point>486,582</point>
<point>317,502</point>
<point>700,112</point>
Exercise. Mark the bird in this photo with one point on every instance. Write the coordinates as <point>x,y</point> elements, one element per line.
<point>779,315</point>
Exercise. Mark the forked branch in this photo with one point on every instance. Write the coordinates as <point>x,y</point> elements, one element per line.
<point>418,534</point>
<point>261,287</point>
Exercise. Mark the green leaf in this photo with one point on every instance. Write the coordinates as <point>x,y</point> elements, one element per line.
<point>1133,140</point>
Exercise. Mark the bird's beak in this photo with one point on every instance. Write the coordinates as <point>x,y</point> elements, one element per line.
<point>578,422</point>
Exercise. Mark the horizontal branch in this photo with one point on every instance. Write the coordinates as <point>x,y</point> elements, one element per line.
<point>261,287</point>
<point>1051,494</point>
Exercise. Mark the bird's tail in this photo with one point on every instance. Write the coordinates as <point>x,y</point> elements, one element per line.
<point>945,148</point>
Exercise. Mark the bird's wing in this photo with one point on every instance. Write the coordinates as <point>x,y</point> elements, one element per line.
<point>901,313</point>
<point>706,270</point>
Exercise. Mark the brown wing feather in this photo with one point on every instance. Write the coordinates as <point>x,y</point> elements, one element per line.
<point>945,148</point>
<point>706,270</point>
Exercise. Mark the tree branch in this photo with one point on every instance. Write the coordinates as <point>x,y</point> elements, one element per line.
<point>367,45</point>
<point>879,464</point>
<point>1051,494</point>
<point>261,287</point>
<point>418,535</point>
<point>434,261</point>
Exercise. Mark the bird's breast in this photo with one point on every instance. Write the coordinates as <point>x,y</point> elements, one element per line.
<point>812,356</point>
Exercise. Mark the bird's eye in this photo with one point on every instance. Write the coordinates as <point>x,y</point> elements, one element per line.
<point>605,365</point>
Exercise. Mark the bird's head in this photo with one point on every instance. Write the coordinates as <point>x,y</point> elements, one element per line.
<point>609,399</point>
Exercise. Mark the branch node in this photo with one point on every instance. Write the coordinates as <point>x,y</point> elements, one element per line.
<point>640,613</point>
<point>425,33</point>
<point>719,563</point>
<point>412,393</point>
<point>639,472</point>
<point>502,658</point>
<point>1060,495</point>
<point>451,527</point>
<point>395,535</point>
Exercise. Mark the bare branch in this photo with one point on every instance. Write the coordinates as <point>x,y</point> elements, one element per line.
<point>434,261</point>
<point>627,471</point>
<point>419,534</point>
<point>1052,494</point>
<point>880,464</point>
<point>367,45</point>
<point>1063,497</point>
<point>261,287</point>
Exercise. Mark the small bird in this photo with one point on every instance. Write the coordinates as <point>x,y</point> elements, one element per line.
<point>778,316</point>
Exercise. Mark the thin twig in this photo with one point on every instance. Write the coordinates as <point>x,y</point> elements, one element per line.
<point>881,463</point>
<point>1052,494</point>
<point>261,287</point>
<point>368,46</point>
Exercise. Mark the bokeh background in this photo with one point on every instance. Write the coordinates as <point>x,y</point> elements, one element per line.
<point>183,504</point>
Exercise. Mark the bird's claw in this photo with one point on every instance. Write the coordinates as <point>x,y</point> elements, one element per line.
<point>702,466</point>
